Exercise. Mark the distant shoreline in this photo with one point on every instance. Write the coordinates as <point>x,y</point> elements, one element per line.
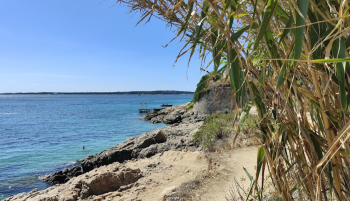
<point>164,92</point>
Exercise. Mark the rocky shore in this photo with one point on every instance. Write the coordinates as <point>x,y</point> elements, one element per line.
<point>164,164</point>
<point>175,137</point>
<point>178,136</point>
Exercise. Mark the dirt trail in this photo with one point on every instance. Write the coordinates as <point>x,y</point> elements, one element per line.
<point>227,167</point>
<point>210,175</point>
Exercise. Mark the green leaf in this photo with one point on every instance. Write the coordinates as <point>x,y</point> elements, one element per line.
<point>336,60</point>
<point>240,97</point>
<point>234,70</point>
<point>252,182</point>
<point>245,113</point>
<point>333,119</point>
<point>261,155</point>
<point>287,28</point>
<point>314,34</point>
<point>189,14</point>
<point>320,123</point>
<point>238,34</point>
<point>338,49</point>
<point>342,151</point>
<point>315,104</point>
<point>258,100</point>
<point>316,144</point>
<point>261,79</point>
<point>330,173</point>
<point>268,11</point>
<point>300,22</point>
<point>282,75</point>
<point>283,15</point>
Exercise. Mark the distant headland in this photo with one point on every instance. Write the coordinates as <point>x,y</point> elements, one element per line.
<point>119,92</point>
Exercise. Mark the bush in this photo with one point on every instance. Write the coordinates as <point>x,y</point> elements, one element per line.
<point>216,126</point>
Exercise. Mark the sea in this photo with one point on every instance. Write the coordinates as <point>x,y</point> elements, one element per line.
<point>41,134</point>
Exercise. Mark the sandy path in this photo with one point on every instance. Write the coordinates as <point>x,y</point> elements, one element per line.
<point>173,169</point>
<point>228,167</point>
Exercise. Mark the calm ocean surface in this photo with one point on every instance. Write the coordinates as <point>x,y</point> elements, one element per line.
<point>40,134</point>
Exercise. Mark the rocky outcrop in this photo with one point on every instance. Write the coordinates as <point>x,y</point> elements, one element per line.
<point>217,98</point>
<point>63,176</point>
<point>168,115</point>
<point>175,114</point>
<point>146,145</point>
<point>105,179</point>
<point>136,179</point>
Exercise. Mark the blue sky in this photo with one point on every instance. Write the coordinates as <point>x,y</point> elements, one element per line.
<point>86,46</point>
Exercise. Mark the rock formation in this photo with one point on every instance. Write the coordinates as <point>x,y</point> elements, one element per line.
<point>217,98</point>
<point>105,179</point>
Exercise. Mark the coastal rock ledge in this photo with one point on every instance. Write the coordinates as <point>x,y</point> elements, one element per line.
<point>176,137</point>
<point>116,177</point>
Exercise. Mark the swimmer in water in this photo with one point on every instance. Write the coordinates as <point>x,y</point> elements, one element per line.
<point>83,147</point>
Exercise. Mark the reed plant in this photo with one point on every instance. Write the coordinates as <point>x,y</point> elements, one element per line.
<point>291,60</point>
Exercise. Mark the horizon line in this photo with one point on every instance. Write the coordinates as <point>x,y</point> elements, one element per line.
<point>139,91</point>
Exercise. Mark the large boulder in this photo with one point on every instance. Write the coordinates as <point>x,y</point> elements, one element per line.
<point>217,98</point>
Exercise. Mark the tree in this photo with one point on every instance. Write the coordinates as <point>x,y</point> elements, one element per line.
<point>292,57</point>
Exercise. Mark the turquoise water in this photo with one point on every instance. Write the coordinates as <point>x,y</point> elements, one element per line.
<point>41,134</point>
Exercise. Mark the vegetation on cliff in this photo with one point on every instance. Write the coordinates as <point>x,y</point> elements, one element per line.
<point>221,126</point>
<point>201,88</point>
<point>292,57</point>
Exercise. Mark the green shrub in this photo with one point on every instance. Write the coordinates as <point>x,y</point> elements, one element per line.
<point>215,127</point>
<point>201,87</point>
<point>190,106</point>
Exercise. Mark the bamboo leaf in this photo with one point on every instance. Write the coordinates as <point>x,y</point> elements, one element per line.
<point>268,11</point>
<point>282,75</point>
<point>320,123</point>
<point>252,182</point>
<point>314,34</point>
<point>238,34</point>
<point>189,14</point>
<point>316,144</point>
<point>143,17</point>
<point>300,22</point>
<point>338,48</point>
<point>283,15</point>
<point>342,151</point>
<point>258,100</point>
<point>245,113</point>
<point>287,29</point>
<point>234,70</point>
<point>330,174</point>
<point>261,79</point>
<point>261,154</point>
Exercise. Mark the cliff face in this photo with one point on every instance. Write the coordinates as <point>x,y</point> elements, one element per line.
<point>216,98</point>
